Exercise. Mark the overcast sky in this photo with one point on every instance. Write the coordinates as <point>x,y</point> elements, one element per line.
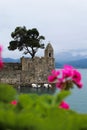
<point>62,22</point>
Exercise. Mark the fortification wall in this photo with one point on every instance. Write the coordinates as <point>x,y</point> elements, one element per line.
<point>12,73</point>
<point>12,66</point>
<point>29,70</point>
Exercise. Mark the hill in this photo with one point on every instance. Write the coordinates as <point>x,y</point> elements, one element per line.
<point>11,60</point>
<point>76,58</point>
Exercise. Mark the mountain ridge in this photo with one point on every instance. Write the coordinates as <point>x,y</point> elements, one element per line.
<point>74,58</point>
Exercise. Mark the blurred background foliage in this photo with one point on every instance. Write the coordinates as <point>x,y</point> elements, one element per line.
<point>37,112</point>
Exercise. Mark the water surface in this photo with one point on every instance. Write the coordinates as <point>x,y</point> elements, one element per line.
<point>77,99</point>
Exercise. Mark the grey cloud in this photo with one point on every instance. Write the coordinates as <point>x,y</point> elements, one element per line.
<point>62,22</point>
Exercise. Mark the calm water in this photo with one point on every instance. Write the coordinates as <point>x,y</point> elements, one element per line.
<point>77,99</point>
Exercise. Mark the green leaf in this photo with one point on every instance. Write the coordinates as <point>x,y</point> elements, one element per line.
<point>7,93</point>
<point>60,96</point>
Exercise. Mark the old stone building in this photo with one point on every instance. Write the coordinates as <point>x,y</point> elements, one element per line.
<point>29,70</point>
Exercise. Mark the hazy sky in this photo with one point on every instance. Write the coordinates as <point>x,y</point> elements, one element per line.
<point>62,22</point>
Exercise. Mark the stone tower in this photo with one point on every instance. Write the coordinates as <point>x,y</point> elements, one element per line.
<point>49,52</point>
<point>49,56</point>
<point>37,69</point>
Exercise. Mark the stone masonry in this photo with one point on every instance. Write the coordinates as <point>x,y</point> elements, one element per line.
<point>29,70</point>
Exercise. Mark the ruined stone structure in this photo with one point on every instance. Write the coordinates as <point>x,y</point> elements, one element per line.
<point>29,70</point>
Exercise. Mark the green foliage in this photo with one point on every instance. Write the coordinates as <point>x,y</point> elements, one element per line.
<point>37,112</point>
<point>7,93</point>
<point>27,40</point>
<point>59,97</point>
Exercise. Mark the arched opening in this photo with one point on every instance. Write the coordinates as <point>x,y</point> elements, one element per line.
<point>50,55</point>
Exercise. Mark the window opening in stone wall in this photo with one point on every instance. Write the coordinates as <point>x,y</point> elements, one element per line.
<point>49,54</point>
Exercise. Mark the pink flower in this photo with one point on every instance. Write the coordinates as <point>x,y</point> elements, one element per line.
<point>54,72</point>
<point>0,48</point>
<point>0,51</point>
<point>60,83</point>
<point>51,78</point>
<point>66,77</point>
<point>14,102</point>
<point>67,71</point>
<point>64,105</point>
<point>68,67</point>
<point>1,64</point>
<point>76,76</point>
<point>54,75</point>
<point>79,84</point>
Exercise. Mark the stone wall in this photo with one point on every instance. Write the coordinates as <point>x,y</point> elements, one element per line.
<point>29,70</point>
<point>12,74</point>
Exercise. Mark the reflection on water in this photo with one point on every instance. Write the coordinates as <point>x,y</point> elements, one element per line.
<point>39,91</point>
